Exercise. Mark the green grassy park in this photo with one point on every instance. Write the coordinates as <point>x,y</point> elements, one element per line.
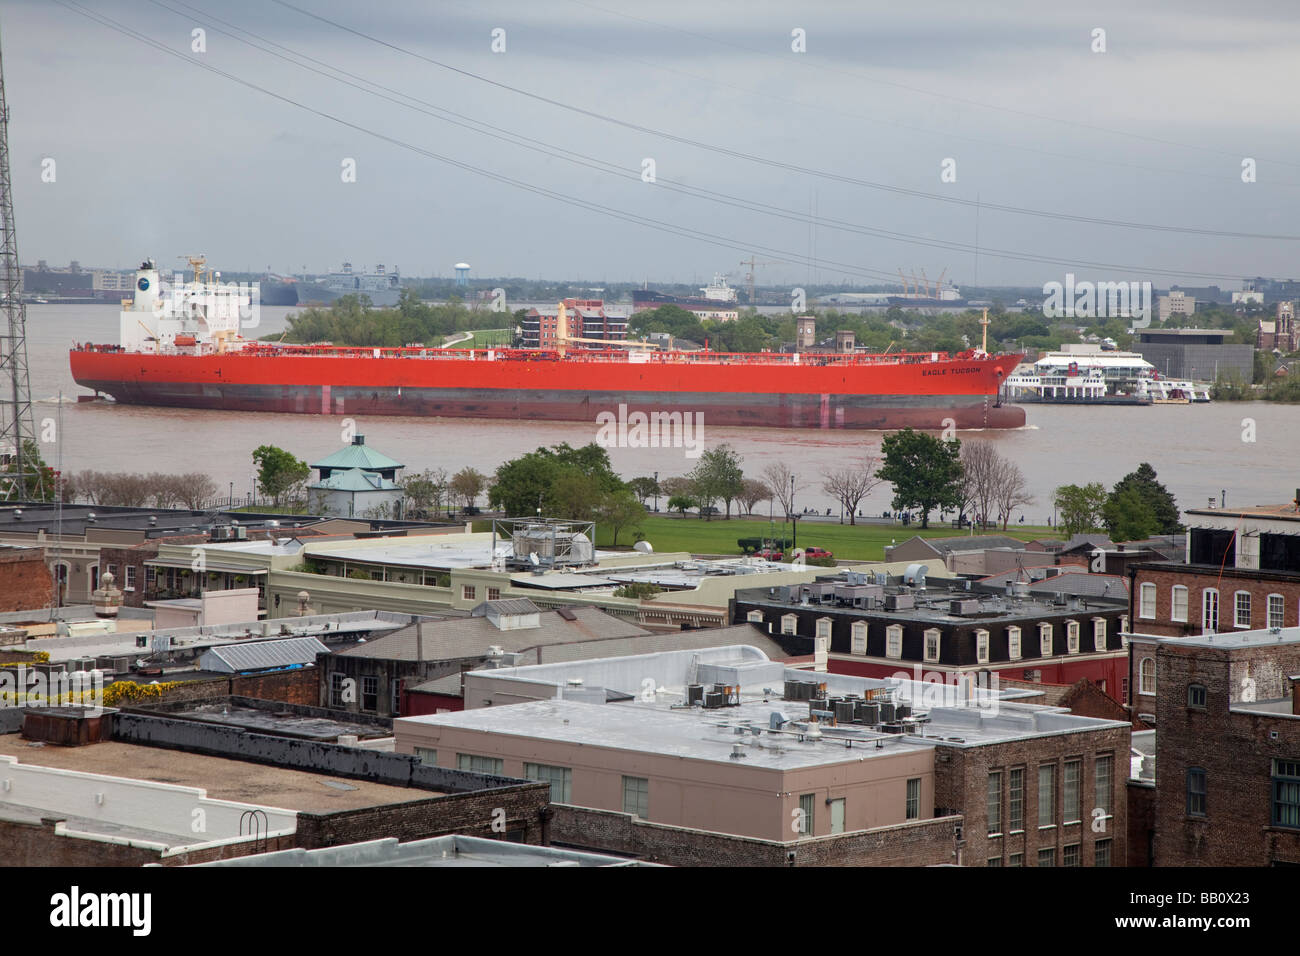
<point>854,542</point>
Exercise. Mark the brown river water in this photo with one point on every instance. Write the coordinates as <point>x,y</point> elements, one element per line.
<point>1197,450</point>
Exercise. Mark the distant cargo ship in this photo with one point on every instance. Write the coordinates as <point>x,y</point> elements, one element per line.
<point>185,350</point>
<point>718,300</point>
<point>383,287</point>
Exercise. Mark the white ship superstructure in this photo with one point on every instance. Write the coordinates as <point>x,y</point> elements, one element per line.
<point>190,317</point>
<point>383,287</point>
<point>1085,375</point>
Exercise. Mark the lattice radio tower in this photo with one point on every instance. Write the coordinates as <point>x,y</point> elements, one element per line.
<point>22,476</point>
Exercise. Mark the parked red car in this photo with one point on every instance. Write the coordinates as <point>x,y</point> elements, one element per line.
<point>769,554</point>
<point>817,553</point>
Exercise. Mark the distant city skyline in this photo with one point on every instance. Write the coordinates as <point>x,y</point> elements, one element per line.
<point>719,131</point>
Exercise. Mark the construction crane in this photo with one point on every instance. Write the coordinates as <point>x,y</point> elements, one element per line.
<point>749,276</point>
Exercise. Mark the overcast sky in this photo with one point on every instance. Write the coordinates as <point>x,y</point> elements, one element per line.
<point>155,156</point>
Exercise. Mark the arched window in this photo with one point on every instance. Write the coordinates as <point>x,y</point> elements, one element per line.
<point>1147,676</point>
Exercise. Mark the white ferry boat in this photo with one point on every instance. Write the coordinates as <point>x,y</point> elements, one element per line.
<point>1098,377</point>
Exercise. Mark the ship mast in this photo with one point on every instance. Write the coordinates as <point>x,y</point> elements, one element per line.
<point>17,424</point>
<point>984,346</point>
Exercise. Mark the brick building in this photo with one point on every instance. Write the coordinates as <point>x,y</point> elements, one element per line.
<point>25,581</point>
<point>578,318</point>
<point>872,772</point>
<point>1227,747</point>
<point>1241,572</point>
<point>879,629</point>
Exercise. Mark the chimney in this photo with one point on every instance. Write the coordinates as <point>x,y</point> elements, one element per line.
<point>358,439</point>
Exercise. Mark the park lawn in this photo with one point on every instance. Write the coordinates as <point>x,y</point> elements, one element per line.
<point>483,338</point>
<point>864,542</point>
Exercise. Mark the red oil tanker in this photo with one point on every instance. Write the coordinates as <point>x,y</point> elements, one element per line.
<point>184,349</point>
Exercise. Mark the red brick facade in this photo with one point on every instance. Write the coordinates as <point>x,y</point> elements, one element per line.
<point>25,580</point>
<point>1197,579</point>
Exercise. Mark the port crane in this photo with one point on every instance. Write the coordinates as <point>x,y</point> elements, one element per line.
<point>749,276</point>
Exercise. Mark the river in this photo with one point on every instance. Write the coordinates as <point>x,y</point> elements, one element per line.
<point>1197,450</point>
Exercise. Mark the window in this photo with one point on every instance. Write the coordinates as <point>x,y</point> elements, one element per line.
<point>560,779</point>
<point>112,569</point>
<point>1103,853</point>
<point>337,683</point>
<point>1047,795</point>
<point>1242,605</point>
<point>994,802</point>
<point>932,644</point>
<point>789,623</point>
<point>1123,629</point>
<point>1098,633</point>
<point>636,797</point>
<point>476,764</point>
<point>1123,688</point>
<point>1045,640</point>
<point>982,646</point>
<point>837,815</point>
<point>1276,610</point>
<point>1016,859</point>
<point>1070,855</point>
<point>1016,802</point>
<point>1070,802</point>
<point>1286,793</point>
<point>1147,676</point>
<point>395,702</point>
<point>150,577</point>
<point>494,594</point>
<point>823,627</point>
<point>130,577</point>
<point>894,641</point>
<point>995,861</point>
<point>467,592</point>
<point>1179,603</point>
<point>427,756</point>
<point>754,617</point>
<point>370,694</point>
<point>914,798</point>
<point>858,637</point>
<point>1072,636</point>
<point>1047,857</point>
<point>1196,792</point>
<point>1147,601</point>
<point>806,813</point>
<point>1104,774</point>
<point>1209,611</point>
<point>1196,696</point>
<point>1013,643</point>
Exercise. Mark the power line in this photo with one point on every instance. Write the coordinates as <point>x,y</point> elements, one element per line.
<point>551,151</point>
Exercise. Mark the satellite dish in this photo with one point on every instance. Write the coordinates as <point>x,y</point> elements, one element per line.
<point>644,547</point>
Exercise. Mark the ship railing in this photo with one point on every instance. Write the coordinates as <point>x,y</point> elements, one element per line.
<point>600,356</point>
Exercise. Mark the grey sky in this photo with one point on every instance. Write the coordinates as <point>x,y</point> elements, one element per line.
<point>158,157</point>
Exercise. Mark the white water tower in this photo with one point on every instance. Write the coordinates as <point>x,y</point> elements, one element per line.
<point>462,273</point>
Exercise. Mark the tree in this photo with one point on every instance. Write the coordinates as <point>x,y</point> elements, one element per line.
<point>1079,507</point>
<point>620,509</point>
<point>467,484</point>
<point>850,485</point>
<point>718,475</point>
<point>1128,515</point>
<point>1162,504</point>
<point>32,481</point>
<point>530,482</point>
<point>643,488</point>
<point>681,503</point>
<point>753,491</point>
<point>573,495</point>
<point>280,474</point>
<point>677,487</point>
<point>1012,490</point>
<point>425,491</point>
<point>982,464</point>
<point>926,473</point>
<point>196,489</point>
<point>780,479</point>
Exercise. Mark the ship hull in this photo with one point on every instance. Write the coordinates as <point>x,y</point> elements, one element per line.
<point>946,394</point>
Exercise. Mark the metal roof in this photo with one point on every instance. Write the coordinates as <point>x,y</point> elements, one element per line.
<point>262,655</point>
<point>354,479</point>
<point>358,456</point>
<point>506,606</point>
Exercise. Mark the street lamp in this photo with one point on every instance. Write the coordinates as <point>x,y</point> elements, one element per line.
<point>232,495</point>
<point>656,492</point>
<point>794,519</point>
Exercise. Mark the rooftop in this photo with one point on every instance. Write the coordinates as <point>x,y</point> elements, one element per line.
<point>454,850</point>
<point>1288,512</point>
<point>354,479</point>
<point>357,455</point>
<point>1236,639</point>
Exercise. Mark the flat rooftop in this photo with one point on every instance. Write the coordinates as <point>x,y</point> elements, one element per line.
<point>1288,512</point>
<point>453,850</point>
<point>223,779</point>
<point>1233,639</point>
<point>284,723</point>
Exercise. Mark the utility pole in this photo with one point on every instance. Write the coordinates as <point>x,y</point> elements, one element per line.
<point>17,424</point>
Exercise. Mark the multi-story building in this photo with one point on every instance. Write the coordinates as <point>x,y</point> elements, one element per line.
<point>1281,333</point>
<point>1200,355</point>
<point>663,754</point>
<point>582,318</point>
<point>1241,572</point>
<point>877,626</point>
<point>1175,303</point>
<point>1226,709</point>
